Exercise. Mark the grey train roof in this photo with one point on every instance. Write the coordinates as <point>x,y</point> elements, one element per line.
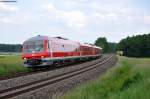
<point>39,37</point>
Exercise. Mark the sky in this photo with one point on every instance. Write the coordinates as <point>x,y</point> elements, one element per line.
<point>78,20</point>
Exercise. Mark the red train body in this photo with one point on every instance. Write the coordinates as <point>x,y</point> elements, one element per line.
<point>43,51</point>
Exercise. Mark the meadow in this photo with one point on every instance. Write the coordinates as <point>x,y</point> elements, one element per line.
<point>129,79</point>
<point>11,64</point>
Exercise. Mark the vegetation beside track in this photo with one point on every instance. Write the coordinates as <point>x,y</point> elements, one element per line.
<point>11,64</point>
<point>130,79</point>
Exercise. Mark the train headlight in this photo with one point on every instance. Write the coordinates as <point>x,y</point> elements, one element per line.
<point>25,58</point>
<point>42,56</point>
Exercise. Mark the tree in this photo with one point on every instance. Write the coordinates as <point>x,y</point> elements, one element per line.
<point>135,46</point>
<point>10,47</point>
<point>112,47</point>
<point>102,42</point>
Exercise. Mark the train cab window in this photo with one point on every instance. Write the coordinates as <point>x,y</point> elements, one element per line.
<point>33,46</point>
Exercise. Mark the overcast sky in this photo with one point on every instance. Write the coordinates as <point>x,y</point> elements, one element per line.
<point>79,20</point>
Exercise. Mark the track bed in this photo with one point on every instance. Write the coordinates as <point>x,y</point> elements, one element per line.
<point>50,82</point>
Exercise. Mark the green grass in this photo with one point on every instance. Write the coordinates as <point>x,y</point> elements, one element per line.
<point>130,79</point>
<point>10,64</point>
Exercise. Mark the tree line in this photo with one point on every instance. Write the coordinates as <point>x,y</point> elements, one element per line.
<point>135,46</point>
<point>108,47</point>
<point>10,47</point>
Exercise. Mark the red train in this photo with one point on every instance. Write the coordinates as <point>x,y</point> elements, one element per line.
<point>45,51</point>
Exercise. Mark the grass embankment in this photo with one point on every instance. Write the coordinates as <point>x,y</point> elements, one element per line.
<point>130,79</point>
<point>10,64</point>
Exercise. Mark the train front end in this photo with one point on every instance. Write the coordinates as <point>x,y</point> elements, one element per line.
<point>35,52</point>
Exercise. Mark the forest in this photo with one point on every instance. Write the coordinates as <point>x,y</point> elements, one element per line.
<point>10,47</point>
<point>135,46</point>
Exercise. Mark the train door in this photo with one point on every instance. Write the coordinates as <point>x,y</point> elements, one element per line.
<point>50,48</point>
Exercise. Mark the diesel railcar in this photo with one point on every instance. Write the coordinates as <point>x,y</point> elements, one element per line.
<point>45,51</point>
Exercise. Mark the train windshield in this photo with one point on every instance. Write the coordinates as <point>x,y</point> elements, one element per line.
<point>33,46</point>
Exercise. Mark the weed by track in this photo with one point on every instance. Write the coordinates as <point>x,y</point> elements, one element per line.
<point>128,80</point>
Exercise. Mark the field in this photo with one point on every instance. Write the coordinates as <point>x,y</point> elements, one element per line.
<point>130,79</point>
<point>10,64</point>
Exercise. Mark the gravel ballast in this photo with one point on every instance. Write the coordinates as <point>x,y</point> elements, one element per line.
<point>62,87</point>
<point>14,82</point>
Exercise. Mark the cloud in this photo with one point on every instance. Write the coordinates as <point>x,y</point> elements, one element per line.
<point>19,18</point>
<point>103,12</point>
<point>147,19</point>
<point>8,13</point>
<point>73,18</point>
<point>105,17</point>
<point>49,7</point>
<point>5,20</point>
<point>6,7</point>
<point>113,19</point>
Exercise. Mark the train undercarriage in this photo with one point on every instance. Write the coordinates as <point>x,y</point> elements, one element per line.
<point>48,62</point>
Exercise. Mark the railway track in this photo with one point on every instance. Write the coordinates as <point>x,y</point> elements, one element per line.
<point>18,90</point>
<point>40,70</point>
